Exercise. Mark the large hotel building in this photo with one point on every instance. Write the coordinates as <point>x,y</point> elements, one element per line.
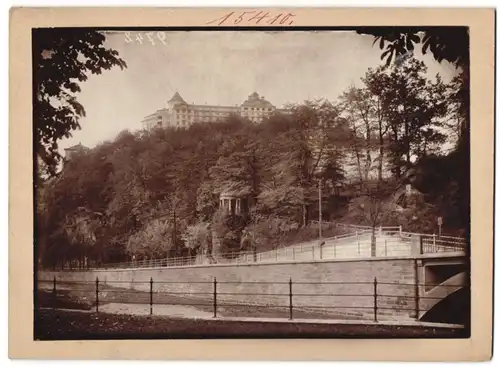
<point>181,114</point>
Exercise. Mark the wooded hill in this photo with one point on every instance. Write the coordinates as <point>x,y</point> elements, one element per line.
<point>153,194</point>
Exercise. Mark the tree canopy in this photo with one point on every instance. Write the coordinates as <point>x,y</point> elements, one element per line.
<point>63,59</point>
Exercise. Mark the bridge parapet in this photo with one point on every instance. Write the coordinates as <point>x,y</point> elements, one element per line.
<point>363,243</point>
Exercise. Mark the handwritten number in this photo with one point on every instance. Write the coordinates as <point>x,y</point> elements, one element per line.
<point>139,38</point>
<point>149,34</point>
<point>287,17</point>
<point>161,36</point>
<point>222,19</point>
<point>240,18</point>
<point>128,39</point>
<point>272,21</point>
<point>259,17</point>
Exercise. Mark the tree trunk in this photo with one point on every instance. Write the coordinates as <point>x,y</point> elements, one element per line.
<point>373,243</point>
<point>380,143</point>
<point>380,154</point>
<point>305,215</point>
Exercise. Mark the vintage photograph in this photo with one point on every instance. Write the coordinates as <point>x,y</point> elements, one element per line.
<point>197,183</point>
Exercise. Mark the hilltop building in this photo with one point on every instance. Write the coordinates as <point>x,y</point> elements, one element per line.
<point>179,113</point>
<point>74,150</point>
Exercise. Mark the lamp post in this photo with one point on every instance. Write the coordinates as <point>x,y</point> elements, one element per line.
<point>440,224</point>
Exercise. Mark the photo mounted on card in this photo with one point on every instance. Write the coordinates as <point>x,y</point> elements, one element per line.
<point>311,183</point>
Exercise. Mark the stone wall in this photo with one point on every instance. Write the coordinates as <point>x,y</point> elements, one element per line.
<point>340,287</point>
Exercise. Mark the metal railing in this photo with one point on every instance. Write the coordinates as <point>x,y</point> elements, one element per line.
<point>388,242</point>
<point>370,300</point>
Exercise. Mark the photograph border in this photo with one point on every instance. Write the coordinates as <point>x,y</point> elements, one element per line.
<point>481,23</point>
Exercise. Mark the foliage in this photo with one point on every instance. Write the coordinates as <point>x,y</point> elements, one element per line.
<point>371,206</point>
<point>445,43</point>
<point>228,230</point>
<point>269,232</point>
<point>63,58</point>
<point>197,236</point>
<point>154,240</point>
<point>156,193</point>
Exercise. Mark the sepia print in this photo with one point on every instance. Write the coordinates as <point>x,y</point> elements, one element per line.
<point>245,183</point>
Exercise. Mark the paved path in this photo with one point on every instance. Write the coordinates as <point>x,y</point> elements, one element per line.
<point>159,310</point>
<point>187,312</point>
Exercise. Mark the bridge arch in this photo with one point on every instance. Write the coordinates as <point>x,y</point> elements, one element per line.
<point>447,301</point>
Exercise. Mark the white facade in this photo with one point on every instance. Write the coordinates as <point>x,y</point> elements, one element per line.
<point>181,114</point>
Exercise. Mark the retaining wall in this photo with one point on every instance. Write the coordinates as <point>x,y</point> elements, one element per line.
<point>323,284</point>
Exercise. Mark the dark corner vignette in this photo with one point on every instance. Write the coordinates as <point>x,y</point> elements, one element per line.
<point>264,218</point>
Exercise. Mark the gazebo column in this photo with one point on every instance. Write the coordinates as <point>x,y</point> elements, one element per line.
<point>238,206</point>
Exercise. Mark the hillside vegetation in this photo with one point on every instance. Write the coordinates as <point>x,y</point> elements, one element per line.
<point>152,194</point>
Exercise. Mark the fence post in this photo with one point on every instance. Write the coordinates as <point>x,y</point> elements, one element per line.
<point>434,242</point>
<point>400,231</point>
<point>215,297</point>
<point>151,296</point>
<point>290,295</point>
<point>54,292</point>
<point>380,231</point>
<point>293,248</point>
<point>417,301</point>
<point>97,294</point>
<point>313,251</point>
<point>385,246</point>
<point>375,299</point>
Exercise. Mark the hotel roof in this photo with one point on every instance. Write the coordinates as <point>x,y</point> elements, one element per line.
<point>177,98</point>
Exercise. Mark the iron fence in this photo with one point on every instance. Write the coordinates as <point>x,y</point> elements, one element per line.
<point>371,300</point>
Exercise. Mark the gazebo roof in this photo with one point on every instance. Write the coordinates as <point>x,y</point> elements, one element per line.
<point>235,191</point>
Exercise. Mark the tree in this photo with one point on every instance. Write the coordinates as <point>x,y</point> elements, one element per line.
<point>306,148</point>
<point>197,237</point>
<point>370,206</point>
<point>414,109</point>
<point>445,43</point>
<point>362,108</point>
<point>227,230</point>
<point>63,58</point>
<point>153,241</point>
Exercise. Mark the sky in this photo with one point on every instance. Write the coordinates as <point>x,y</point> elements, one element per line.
<point>223,68</point>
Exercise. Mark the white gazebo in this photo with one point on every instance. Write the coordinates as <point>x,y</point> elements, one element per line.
<point>235,202</point>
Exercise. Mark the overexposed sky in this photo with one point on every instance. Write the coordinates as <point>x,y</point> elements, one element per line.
<point>222,68</point>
